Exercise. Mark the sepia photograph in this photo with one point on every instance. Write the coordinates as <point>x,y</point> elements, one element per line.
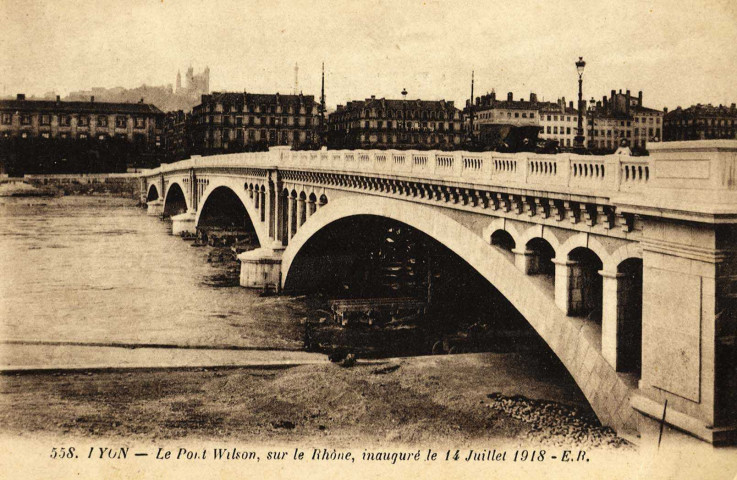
<point>351,239</point>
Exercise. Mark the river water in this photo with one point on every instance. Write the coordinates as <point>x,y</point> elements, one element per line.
<point>99,270</point>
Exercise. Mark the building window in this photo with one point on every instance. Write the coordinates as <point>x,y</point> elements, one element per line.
<point>7,118</point>
<point>65,120</point>
<point>83,136</point>
<point>532,115</point>
<point>121,122</point>
<point>45,135</point>
<point>83,121</point>
<point>45,120</point>
<point>140,122</point>
<point>102,121</point>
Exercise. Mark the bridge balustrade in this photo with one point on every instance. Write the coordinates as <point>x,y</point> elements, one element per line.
<point>563,173</point>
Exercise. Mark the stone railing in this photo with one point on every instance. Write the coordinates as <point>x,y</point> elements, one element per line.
<point>707,169</point>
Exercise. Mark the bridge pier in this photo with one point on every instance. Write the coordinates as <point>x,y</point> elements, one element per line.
<point>564,284</point>
<point>689,329</point>
<point>155,208</point>
<point>184,223</point>
<point>612,318</point>
<point>261,268</point>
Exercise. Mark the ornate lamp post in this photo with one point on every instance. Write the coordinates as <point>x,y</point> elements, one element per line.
<point>580,64</point>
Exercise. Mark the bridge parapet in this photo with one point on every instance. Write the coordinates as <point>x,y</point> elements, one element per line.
<point>695,178</point>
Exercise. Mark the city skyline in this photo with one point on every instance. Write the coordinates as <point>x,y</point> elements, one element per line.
<point>426,47</point>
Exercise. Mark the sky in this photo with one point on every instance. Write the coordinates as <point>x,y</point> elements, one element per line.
<point>677,52</point>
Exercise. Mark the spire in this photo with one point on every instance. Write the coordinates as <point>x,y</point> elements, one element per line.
<point>322,102</point>
<point>470,108</point>
<point>296,78</point>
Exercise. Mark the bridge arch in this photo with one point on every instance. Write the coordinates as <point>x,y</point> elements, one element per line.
<point>153,193</point>
<point>585,240</point>
<point>238,191</point>
<point>608,395</point>
<point>175,201</point>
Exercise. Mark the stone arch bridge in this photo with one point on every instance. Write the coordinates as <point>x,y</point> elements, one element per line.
<point>625,266</point>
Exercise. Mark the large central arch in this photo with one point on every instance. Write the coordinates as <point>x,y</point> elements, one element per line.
<point>607,393</point>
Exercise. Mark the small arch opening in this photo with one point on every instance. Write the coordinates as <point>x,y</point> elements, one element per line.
<point>503,240</point>
<point>585,298</point>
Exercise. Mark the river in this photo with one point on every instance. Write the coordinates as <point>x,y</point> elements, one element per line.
<point>99,270</point>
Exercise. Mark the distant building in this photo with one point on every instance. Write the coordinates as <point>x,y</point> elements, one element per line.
<point>231,122</point>
<point>622,118</point>
<point>136,129</point>
<point>700,122</point>
<point>139,123</point>
<point>384,123</point>
<point>555,121</point>
<point>560,122</point>
<point>487,110</point>
<point>177,126</point>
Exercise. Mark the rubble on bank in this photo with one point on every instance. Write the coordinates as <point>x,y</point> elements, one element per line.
<point>556,424</point>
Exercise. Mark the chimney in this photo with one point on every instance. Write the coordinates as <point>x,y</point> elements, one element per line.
<point>639,97</point>
<point>627,103</point>
<point>665,109</point>
<point>141,101</point>
<point>510,97</point>
<point>522,99</point>
<point>21,96</point>
<point>604,102</point>
<point>533,97</point>
<point>733,107</point>
<point>493,96</point>
<point>614,94</point>
<point>58,99</point>
<point>570,104</point>
<point>92,99</point>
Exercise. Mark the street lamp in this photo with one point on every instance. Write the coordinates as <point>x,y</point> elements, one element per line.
<point>404,114</point>
<point>580,64</point>
<point>592,115</point>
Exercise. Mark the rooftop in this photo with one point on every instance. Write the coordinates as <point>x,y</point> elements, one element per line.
<point>58,106</point>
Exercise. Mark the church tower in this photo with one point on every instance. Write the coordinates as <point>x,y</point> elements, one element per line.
<point>179,82</point>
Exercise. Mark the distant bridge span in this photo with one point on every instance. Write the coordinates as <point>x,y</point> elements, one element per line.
<point>625,266</point>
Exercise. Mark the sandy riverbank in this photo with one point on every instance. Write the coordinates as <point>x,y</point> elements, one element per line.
<point>459,400</point>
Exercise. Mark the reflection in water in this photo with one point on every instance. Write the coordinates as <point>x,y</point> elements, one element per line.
<point>90,269</point>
